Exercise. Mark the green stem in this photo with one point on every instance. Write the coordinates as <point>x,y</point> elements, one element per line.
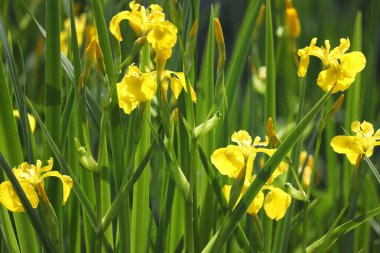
<point>268,228</point>
<point>191,221</point>
<point>306,205</point>
<point>98,194</point>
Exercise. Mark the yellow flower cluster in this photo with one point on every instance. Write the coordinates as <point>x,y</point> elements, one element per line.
<point>340,67</point>
<point>31,178</point>
<point>235,160</point>
<point>363,143</point>
<point>136,87</point>
<point>161,34</point>
<point>150,22</point>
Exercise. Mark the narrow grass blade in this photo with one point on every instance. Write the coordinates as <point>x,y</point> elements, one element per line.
<point>17,89</point>
<point>140,205</point>
<point>270,91</point>
<point>125,189</point>
<point>241,47</point>
<point>86,205</point>
<point>175,170</point>
<point>26,235</point>
<point>53,86</point>
<point>53,70</point>
<point>11,148</point>
<point>324,243</point>
<point>82,197</point>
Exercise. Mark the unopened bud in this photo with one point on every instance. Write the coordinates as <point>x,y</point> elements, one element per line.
<point>294,193</point>
<point>207,126</point>
<point>85,158</point>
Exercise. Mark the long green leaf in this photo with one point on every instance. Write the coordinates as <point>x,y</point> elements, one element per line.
<point>11,148</point>
<point>17,89</point>
<point>270,91</point>
<point>86,205</point>
<point>241,47</point>
<point>26,236</point>
<point>324,243</point>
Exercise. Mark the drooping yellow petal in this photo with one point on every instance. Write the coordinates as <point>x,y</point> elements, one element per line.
<point>9,198</point>
<point>256,204</point>
<point>346,145</point>
<point>304,53</point>
<point>327,78</point>
<point>177,83</point>
<point>276,203</point>
<point>303,65</point>
<point>229,161</point>
<point>352,63</point>
<point>67,183</point>
<point>115,24</point>
<point>352,157</point>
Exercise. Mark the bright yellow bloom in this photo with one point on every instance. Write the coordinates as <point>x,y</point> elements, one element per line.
<point>141,20</point>
<point>138,87</point>
<point>135,87</point>
<point>232,160</point>
<point>31,178</point>
<point>31,119</point>
<point>150,22</point>
<point>276,202</point>
<point>359,145</point>
<point>292,21</point>
<point>340,67</point>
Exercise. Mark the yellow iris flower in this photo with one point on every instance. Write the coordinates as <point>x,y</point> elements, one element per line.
<point>141,20</point>
<point>340,67</point>
<point>150,22</point>
<point>363,143</point>
<point>136,87</point>
<point>231,160</point>
<point>31,178</point>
